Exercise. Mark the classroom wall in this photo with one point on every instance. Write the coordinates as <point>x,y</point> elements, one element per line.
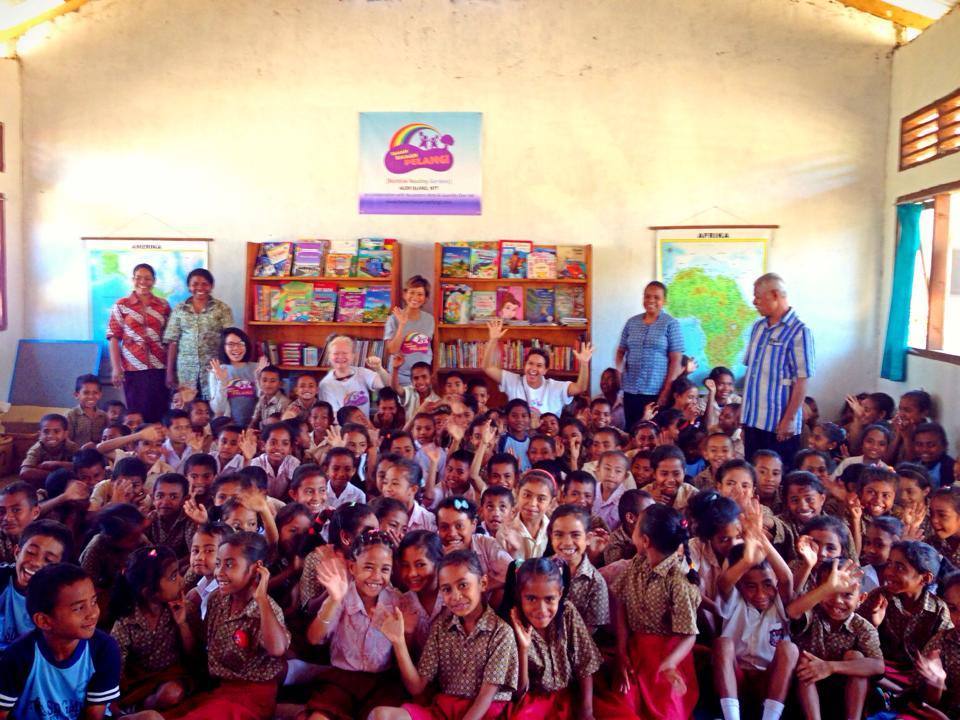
<point>238,121</point>
<point>923,71</point>
<point>11,188</point>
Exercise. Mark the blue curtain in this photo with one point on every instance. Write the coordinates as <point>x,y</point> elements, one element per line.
<point>894,365</point>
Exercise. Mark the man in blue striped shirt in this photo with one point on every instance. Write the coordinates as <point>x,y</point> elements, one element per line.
<point>779,361</point>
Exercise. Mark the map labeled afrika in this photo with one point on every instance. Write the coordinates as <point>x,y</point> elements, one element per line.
<point>710,291</point>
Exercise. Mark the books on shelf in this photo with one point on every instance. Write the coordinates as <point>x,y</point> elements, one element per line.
<point>298,301</point>
<point>572,262</point>
<point>375,257</point>
<point>324,305</point>
<point>542,263</point>
<point>456,304</point>
<point>469,354</point>
<point>538,307</point>
<point>570,304</point>
<point>309,257</point>
<point>350,301</point>
<point>483,260</point>
<point>510,303</point>
<point>273,259</point>
<point>455,260</point>
<point>376,304</point>
<point>513,258</point>
<point>341,259</point>
<point>483,305</point>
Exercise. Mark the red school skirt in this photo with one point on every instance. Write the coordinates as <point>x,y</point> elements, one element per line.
<point>232,700</point>
<point>536,706</point>
<point>650,696</point>
<point>451,707</point>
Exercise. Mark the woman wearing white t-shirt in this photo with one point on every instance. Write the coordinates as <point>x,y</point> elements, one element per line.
<point>347,384</point>
<point>542,394</point>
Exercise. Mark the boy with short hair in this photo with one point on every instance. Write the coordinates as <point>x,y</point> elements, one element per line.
<point>516,440</point>
<point>271,400</point>
<point>127,484</point>
<point>85,422</point>
<point>66,663</point>
<point>496,508</point>
<point>418,396</point>
<point>579,488</point>
<point>53,450</point>
<point>42,543</point>
<point>477,387</point>
<point>166,523</point>
<point>19,506</point>
<point>115,411</point>
<point>236,447</point>
<point>177,448</point>
<point>717,449</point>
<point>930,450</point>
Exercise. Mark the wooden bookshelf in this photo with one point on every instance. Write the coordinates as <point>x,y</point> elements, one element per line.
<point>553,334</point>
<point>312,333</point>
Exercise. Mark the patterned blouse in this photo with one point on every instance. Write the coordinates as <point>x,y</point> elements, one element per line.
<point>658,600</point>
<point>147,649</point>
<point>813,633</point>
<point>903,633</point>
<point>948,643</point>
<point>563,654</point>
<point>463,663</point>
<point>197,335</point>
<point>588,593</point>
<point>140,332</point>
<point>234,650</point>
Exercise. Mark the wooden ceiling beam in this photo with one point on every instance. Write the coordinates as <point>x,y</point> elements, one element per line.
<point>892,13</point>
<point>16,31</point>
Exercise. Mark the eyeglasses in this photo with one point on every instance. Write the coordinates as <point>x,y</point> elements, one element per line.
<point>235,344</point>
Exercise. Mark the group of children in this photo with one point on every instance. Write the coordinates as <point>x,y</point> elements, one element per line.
<point>421,554</point>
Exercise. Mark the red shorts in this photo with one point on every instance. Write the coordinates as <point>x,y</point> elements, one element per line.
<point>536,706</point>
<point>231,700</point>
<point>450,707</point>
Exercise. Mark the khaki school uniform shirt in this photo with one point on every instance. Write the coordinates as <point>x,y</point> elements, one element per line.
<point>813,633</point>
<point>147,649</point>
<point>234,650</point>
<point>658,600</point>
<point>903,633</point>
<point>564,653</point>
<point>588,592</point>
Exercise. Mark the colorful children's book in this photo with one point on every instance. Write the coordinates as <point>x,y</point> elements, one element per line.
<point>483,305</point>
<point>513,258</point>
<point>456,304</point>
<point>483,260</point>
<point>350,304</point>
<point>274,259</point>
<point>376,304</point>
<point>542,263</point>
<point>375,257</point>
<point>309,257</point>
<point>510,303</point>
<point>539,307</point>
<point>572,262</point>
<point>455,260</point>
<point>324,305</point>
<point>263,310</point>
<point>342,259</point>
<point>570,306</point>
<point>294,302</point>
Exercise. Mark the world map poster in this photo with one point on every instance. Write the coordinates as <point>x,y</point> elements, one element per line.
<point>709,274</point>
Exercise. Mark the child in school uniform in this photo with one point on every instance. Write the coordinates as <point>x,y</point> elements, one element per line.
<point>568,532</point>
<point>126,484</point>
<point>152,630</point>
<point>85,422</point>
<point>66,662</point>
<point>945,523</point>
<point>557,655</point>
<point>42,543</point>
<point>416,559</point>
<point>717,449</point>
<point>939,664</point>
<point>271,399</point>
<point>277,459</point>
<point>657,597</point>
<point>716,530</point>
<point>339,465</point>
<point>470,651</point>
<point>244,636</point>
<point>620,543</point>
<point>668,486</point>
<point>613,469</point>
<point>516,440</point>
<point>177,446</point>
<point>754,645</point>
<point>457,528</point>
<point>52,451</point>
<point>403,482</point>
<point>20,506</point>
<point>203,564</point>
<point>839,649</point>
<point>769,467</point>
<point>120,533</point>
<point>361,674</point>
<point>497,506</point>
<point>824,538</point>
<point>525,536</point>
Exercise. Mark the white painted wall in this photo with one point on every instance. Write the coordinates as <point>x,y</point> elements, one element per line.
<point>238,120</point>
<point>11,188</point>
<point>923,71</point>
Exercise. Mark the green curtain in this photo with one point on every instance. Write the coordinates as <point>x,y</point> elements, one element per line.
<point>894,365</point>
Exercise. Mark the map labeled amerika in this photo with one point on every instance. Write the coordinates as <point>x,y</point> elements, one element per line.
<point>710,291</point>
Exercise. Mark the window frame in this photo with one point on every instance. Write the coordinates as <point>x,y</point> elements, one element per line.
<point>914,132</point>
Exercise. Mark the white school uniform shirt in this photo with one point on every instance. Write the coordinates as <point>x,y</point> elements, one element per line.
<point>205,589</point>
<point>421,519</point>
<point>608,510</point>
<point>530,546</point>
<point>352,390</point>
<point>550,397</point>
<point>755,635</point>
<point>278,481</point>
<point>424,462</point>
<point>411,402</point>
<point>171,458</point>
<point>237,462</point>
<point>351,493</point>
<point>870,580</point>
<point>855,460</point>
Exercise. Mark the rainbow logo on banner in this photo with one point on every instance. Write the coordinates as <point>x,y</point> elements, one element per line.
<point>418,145</point>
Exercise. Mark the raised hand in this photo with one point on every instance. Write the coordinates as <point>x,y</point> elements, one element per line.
<point>263,581</point>
<point>374,362</point>
<point>879,610</point>
<point>585,352</point>
<point>254,500</point>
<point>843,576</point>
<point>854,508</point>
<point>261,364</point>
<point>650,411</point>
<point>333,576</point>
<point>374,435</point>
<point>807,550</point>
<point>433,452</point>
<point>248,443</point>
<point>856,407</point>
<point>711,386</point>
<point>523,632</point>
<point>77,490</point>
<point>397,359</point>
<point>195,441</point>
<point>495,329</point>
<point>219,371</point>
<point>187,394</point>
<point>489,434</point>
<point>597,541</point>
<point>152,433</point>
<point>195,511</point>
<point>290,412</point>
<point>392,625</point>
<point>753,553</point>
<point>335,437</point>
<point>401,315</point>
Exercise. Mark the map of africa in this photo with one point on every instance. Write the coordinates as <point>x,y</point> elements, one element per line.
<point>710,291</point>
<point>110,266</point>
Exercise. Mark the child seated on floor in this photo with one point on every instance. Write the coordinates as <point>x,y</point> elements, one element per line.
<point>52,451</point>
<point>19,506</point>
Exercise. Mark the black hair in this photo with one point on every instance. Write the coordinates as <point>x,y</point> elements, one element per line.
<point>54,417</point>
<point>951,493</point>
<point>429,541</point>
<point>222,350</point>
<point>599,400</point>
<point>144,266</point>
<point>612,432</point>
<point>657,284</point>
<point>201,273</point>
<point>666,530</point>
<point>304,471</point>
<point>253,545</point>
<point>662,453</point>
<point>461,455</point>
<point>51,529</point>
<point>57,481</point>
<point>921,399</point>
<point>172,479</point>
<point>244,481</point>
<point>578,476</point>
<point>458,504</point>
<point>851,474</point>
<point>948,582</point>
<point>346,520</point>
<point>540,437</point>
<point>394,435</point>
<point>172,415</point>
<point>383,506</point>
<point>368,539</point>
<point>19,486</point>
<point>680,386</point>
<point>335,452</point>
<point>810,452</point>
<point>498,491</point>
<point>215,529</point>
<point>711,512</point>
<point>884,403</point>
<point>43,590</point>
<point>801,478</point>
<point>834,432</point>
<point>882,429</point>
<point>830,524</point>
<point>888,524</point>
<point>569,510</point>
<point>538,351</point>
<point>421,365</point>
<point>118,521</point>
<point>268,430</point>
<point>120,428</point>
<point>388,393</point>
<point>234,504</point>
<point>772,454</point>
<point>503,459</point>
<point>88,458</point>
<point>916,472</point>
<point>291,511</point>
<point>140,579</point>
<point>736,464</point>
<point>568,421</point>
<point>667,417</point>
<point>718,372</point>
<point>519,574</point>
<point>86,379</point>
<point>467,558</point>
<point>515,403</point>
<point>921,557</point>
<point>614,454</point>
<point>736,555</point>
<point>538,475</point>
<point>933,428</point>
<point>630,502</point>
<point>875,473</point>
<point>130,466</point>
<point>324,405</point>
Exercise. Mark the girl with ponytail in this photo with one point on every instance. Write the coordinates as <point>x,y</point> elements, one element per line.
<point>655,609</point>
<point>151,630</point>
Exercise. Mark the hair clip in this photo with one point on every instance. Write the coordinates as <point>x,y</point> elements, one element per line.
<point>683,523</point>
<point>152,552</point>
<point>460,504</point>
<point>517,563</point>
